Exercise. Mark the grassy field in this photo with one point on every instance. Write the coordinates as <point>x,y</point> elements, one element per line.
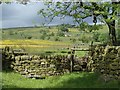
<point>73,80</point>
<point>35,36</point>
<point>36,33</point>
<point>19,38</point>
<point>39,46</point>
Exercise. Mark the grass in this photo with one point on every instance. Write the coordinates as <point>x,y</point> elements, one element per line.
<point>73,80</point>
<point>39,46</point>
<point>32,42</point>
<point>15,37</point>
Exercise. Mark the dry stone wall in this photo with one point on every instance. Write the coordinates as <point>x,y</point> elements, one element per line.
<point>41,66</point>
<point>105,60</point>
<point>102,59</point>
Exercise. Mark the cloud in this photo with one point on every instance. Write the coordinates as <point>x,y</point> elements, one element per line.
<point>18,13</point>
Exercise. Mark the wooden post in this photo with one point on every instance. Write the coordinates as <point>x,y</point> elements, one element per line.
<point>72,60</point>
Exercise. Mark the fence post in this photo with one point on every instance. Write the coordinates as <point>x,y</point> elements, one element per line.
<point>72,60</point>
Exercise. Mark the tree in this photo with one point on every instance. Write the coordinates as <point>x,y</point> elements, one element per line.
<point>104,11</point>
<point>118,31</point>
<point>63,28</point>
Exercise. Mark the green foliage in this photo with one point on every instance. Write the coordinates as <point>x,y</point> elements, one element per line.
<point>103,38</point>
<point>60,33</point>
<point>11,33</point>
<point>85,38</point>
<point>83,26</point>
<point>103,11</point>
<point>57,38</point>
<point>42,37</point>
<point>29,37</point>
<point>52,34</point>
<point>73,40</point>
<point>44,34</point>
<point>42,31</point>
<point>48,37</point>
<point>96,36</point>
<point>63,27</point>
<point>94,27</point>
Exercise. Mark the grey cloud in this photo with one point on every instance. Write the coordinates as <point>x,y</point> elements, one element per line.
<point>18,15</point>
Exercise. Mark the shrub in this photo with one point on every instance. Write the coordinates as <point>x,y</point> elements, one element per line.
<point>96,36</point>
<point>29,37</point>
<point>49,52</point>
<point>44,31</point>
<point>52,34</point>
<point>48,38</point>
<point>79,39</point>
<point>85,38</point>
<point>73,40</point>
<point>103,38</point>
<point>57,39</point>
<point>60,33</point>
<point>64,51</point>
<point>11,33</point>
<point>63,28</point>
<point>42,37</point>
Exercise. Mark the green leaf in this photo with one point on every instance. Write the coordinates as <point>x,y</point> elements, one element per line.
<point>74,7</point>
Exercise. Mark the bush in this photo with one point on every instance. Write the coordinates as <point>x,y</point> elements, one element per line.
<point>73,40</point>
<point>49,52</point>
<point>42,31</point>
<point>11,33</point>
<point>48,38</point>
<point>52,34</point>
<point>60,33</point>
<point>42,37</point>
<point>103,38</point>
<point>57,39</point>
<point>63,28</point>
<point>29,37</point>
<point>85,39</point>
<point>96,36</point>
<point>64,51</point>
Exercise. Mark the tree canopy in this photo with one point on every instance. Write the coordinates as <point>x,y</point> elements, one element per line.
<point>106,12</point>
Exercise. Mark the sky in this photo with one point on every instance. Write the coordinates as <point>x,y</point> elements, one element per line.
<point>19,15</point>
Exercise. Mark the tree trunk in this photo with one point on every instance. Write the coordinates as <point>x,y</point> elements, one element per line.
<point>112,33</point>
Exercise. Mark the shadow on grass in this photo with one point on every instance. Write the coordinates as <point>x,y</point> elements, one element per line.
<point>89,80</point>
<point>8,71</point>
